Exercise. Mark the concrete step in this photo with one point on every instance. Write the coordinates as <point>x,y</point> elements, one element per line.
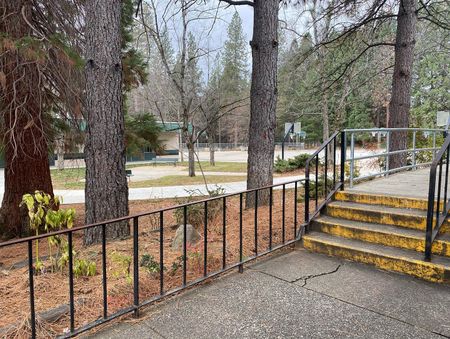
<point>384,257</point>
<point>388,235</point>
<point>383,200</point>
<point>402,217</point>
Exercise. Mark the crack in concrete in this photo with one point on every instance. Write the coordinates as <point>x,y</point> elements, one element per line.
<point>318,275</point>
<point>342,300</point>
<point>305,278</point>
<point>375,311</point>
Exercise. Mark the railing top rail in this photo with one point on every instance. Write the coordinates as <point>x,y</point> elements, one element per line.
<point>321,147</point>
<point>352,130</point>
<point>138,215</point>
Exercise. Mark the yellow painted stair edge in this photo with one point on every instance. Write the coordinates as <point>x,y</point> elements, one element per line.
<point>383,238</point>
<point>384,200</point>
<point>420,269</point>
<point>379,217</point>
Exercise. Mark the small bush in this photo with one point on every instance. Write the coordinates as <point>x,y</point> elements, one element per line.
<point>84,268</point>
<point>282,166</point>
<point>292,164</point>
<point>299,161</point>
<point>123,266</point>
<point>149,263</point>
<point>196,212</point>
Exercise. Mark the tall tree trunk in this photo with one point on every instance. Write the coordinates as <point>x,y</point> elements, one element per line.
<point>191,156</point>
<point>106,182</point>
<point>401,83</point>
<point>26,149</point>
<point>212,160</point>
<point>263,98</point>
<point>60,146</point>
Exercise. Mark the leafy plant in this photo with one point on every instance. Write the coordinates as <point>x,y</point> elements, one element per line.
<point>149,262</point>
<point>123,261</point>
<point>85,268</point>
<point>45,215</point>
<point>176,265</point>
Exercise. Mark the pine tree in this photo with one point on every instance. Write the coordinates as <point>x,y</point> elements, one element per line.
<point>37,56</point>
<point>234,84</point>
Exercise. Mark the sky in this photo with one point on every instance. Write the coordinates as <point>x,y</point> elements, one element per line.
<point>214,38</point>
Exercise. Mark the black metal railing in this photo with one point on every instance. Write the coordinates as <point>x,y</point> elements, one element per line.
<point>284,201</point>
<point>438,208</point>
<point>327,177</point>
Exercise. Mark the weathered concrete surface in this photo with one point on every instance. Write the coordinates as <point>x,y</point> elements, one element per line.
<point>299,295</point>
<point>412,184</point>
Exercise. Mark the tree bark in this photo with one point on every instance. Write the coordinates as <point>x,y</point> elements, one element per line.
<point>212,150</point>
<point>23,125</point>
<point>106,182</point>
<point>400,103</point>
<point>263,97</point>
<point>191,156</point>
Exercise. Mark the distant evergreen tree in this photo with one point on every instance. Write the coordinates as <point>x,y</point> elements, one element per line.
<point>233,82</point>
<point>235,67</point>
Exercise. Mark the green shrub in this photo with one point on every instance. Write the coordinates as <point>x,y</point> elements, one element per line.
<point>282,166</point>
<point>292,164</point>
<point>84,268</point>
<point>123,266</point>
<point>149,263</point>
<point>298,161</point>
<point>196,212</point>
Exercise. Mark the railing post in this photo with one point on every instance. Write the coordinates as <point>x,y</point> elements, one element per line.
<point>434,144</point>
<point>414,150</point>
<point>388,147</point>
<point>343,151</point>
<point>352,157</point>
<point>31,282</point>
<point>429,228</point>
<point>307,194</point>
<point>136,266</point>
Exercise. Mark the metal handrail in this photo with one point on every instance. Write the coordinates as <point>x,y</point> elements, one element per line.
<point>330,145</point>
<point>160,214</point>
<point>433,211</point>
<point>386,154</point>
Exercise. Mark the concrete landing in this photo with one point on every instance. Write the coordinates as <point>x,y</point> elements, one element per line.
<point>298,294</point>
<point>412,184</point>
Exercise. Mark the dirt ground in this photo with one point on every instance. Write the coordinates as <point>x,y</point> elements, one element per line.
<point>51,288</point>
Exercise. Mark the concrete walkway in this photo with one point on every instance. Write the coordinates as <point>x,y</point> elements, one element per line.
<point>412,184</point>
<point>77,196</point>
<point>298,294</point>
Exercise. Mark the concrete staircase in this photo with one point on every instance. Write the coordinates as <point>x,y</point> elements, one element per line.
<point>385,231</point>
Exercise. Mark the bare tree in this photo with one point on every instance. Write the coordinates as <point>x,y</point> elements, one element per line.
<point>181,15</point>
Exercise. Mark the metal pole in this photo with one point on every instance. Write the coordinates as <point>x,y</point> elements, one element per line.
<point>352,157</point>
<point>388,146</point>
<point>291,130</point>
<point>434,145</point>
<point>136,265</point>
<point>414,150</point>
<point>343,151</point>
